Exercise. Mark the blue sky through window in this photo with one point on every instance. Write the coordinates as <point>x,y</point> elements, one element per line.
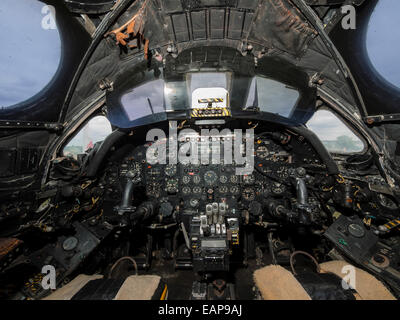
<point>29,55</point>
<point>383,40</point>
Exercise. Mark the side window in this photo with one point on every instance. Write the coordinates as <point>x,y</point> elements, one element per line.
<point>334,134</point>
<point>382,30</point>
<point>30,49</point>
<point>97,129</point>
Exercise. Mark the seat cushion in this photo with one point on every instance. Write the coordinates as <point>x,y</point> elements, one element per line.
<point>73,287</point>
<point>83,287</point>
<point>366,285</point>
<point>276,283</point>
<point>145,287</point>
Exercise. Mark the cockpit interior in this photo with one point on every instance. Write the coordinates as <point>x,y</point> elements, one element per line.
<point>202,150</point>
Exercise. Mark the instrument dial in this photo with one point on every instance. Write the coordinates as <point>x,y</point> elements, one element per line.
<point>186,190</point>
<point>172,186</point>
<point>153,189</point>
<point>153,155</point>
<point>170,170</point>
<point>194,203</point>
<point>210,177</point>
<point>249,179</point>
<point>356,230</point>
<point>283,172</point>
<point>223,179</point>
<point>197,190</point>
<point>196,179</point>
<point>278,188</point>
<point>235,190</point>
<point>234,179</point>
<point>262,152</point>
<point>186,179</point>
<point>249,194</point>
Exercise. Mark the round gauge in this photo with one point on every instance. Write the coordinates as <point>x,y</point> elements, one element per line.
<point>197,190</point>
<point>210,177</point>
<point>70,243</point>
<point>223,189</point>
<point>235,190</point>
<point>356,230</point>
<point>234,179</point>
<point>186,190</point>
<point>278,188</point>
<point>223,179</point>
<point>262,152</point>
<point>151,157</point>
<point>196,179</point>
<point>186,179</point>
<point>172,186</point>
<point>153,189</point>
<point>283,172</point>
<point>249,179</point>
<point>170,170</point>
<point>249,194</point>
<point>154,154</point>
<point>194,203</point>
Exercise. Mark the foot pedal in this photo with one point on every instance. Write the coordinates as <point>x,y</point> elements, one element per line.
<point>217,290</point>
<point>199,291</point>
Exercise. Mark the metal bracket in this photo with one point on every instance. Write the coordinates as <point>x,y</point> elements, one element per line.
<point>31,125</point>
<point>371,120</point>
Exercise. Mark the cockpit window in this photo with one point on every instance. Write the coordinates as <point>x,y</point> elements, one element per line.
<point>97,129</point>
<point>144,100</point>
<point>147,97</point>
<point>208,85</point>
<point>382,36</point>
<point>334,134</point>
<point>30,49</point>
<point>210,80</point>
<point>272,96</point>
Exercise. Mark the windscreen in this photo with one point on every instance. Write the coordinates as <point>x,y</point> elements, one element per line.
<point>272,96</point>
<point>144,100</point>
<point>154,98</point>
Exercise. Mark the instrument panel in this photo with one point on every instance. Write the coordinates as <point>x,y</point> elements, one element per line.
<point>193,185</point>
